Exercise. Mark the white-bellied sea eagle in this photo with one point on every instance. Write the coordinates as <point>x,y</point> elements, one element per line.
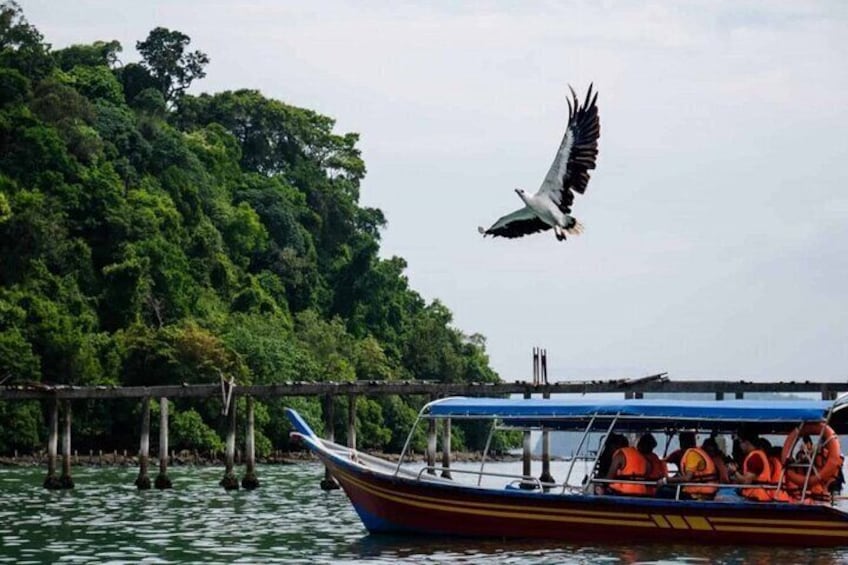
<point>550,207</point>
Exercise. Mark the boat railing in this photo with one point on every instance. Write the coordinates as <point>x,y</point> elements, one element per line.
<point>680,486</point>
<point>533,483</point>
<point>516,478</point>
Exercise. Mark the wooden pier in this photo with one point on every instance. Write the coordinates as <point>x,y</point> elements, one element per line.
<point>62,396</point>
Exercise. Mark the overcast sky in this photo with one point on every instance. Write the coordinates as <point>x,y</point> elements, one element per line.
<point>716,241</point>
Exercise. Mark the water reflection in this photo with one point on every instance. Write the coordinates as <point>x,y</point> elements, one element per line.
<point>394,548</point>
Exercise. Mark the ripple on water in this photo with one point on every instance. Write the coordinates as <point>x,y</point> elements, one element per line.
<point>289,519</point>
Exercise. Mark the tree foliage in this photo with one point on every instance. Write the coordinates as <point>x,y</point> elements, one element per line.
<point>151,236</point>
<point>172,68</point>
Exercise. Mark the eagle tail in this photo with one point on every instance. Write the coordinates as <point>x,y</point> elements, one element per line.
<point>575,229</point>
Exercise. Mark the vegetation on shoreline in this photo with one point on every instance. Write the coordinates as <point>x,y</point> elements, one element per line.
<point>149,236</point>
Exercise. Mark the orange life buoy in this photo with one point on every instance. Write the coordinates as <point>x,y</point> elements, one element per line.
<point>828,456</point>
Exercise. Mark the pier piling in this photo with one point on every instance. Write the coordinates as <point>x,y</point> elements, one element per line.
<point>65,481</point>
<point>230,481</point>
<point>52,481</point>
<point>250,481</point>
<point>143,480</point>
<point>526,455</point>
<point>446,448</point>
<point>431,443</point>
<point>328,482</point>
<point>351,421</point>
<point>162,480</point>
<point>546,476</point>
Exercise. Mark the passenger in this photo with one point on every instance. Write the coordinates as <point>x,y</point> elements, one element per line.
<point>774,455</point>
<point>628,463</point>
<point>817,489</point>
<point>687,441</point>
<point>614,443</point>
<point>710,445</point>
<point>805,451</point>
<point>835,487</point>
<point>696,466</point>
<point>657,468</point>
<point>755,468</point>
<point>737,454</point>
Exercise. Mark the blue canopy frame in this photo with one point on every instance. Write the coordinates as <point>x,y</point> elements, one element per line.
<point>634,414</point>
<point>736,410</point>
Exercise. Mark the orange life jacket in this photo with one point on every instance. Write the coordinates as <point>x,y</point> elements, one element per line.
<point>707,474</point>
<point>635,469</point>
<point>764,477</point>
<point>776,472</point>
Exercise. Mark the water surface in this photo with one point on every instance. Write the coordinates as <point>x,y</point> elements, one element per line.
<point>105,519</point>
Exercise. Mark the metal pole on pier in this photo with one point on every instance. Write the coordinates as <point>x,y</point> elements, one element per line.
<point>162,480</point>
<point>143,480</point>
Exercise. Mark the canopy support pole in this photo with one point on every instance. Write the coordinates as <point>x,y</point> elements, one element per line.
<point>600,450</point>
<point>486,450</point>
<point>577,453</point>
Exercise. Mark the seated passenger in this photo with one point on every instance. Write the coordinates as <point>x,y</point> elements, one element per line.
<point>657,469</point>
<point>710,445</point>
<point>696,466</point>
<point>614,443</point>
<point>629,464</point>
<point>805,451</point>
<point>687,441</point>
<point>756,469</point>
<point>774,454</point>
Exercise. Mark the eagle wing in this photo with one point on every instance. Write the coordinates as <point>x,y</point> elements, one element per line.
<point>516,224</point>
<point>576,154</point>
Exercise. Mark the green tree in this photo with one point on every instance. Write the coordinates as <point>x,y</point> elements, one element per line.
<point>189,431</point>
<point>99,53</point>
<point>22,46</point>
<point>172,68</point>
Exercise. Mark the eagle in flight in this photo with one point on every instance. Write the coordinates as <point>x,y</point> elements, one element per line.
<point>550,207</point>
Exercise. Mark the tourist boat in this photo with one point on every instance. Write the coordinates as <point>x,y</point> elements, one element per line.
<point>396,497</point>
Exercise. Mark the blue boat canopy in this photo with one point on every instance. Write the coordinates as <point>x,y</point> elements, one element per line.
<point>641,413</point>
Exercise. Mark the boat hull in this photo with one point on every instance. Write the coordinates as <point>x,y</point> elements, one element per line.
<point>395,504</point>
